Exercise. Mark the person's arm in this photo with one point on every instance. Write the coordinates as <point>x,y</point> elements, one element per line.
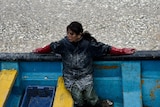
<point>55,47</point>
<point>122,51</point>
<point>46,49</point>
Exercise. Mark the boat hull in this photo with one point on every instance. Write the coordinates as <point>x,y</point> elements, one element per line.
<point>129,81</point>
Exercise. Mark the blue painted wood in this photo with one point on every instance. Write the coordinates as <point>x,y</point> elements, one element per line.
<point>15,66</point>
<point>131,80</point>
<point>107,69</point>
<point>31,73</point>
<point>9,65</point>
<point>109,88</point>
<point>40,73</point>
<point>13,99</point>
<point>108,81</point>
<point>151,83</point>
<point>151,92</point>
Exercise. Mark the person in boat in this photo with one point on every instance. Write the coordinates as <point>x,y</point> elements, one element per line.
<point>77,49</point>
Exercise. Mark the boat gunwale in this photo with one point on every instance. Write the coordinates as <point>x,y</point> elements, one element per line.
<point>139,55</point>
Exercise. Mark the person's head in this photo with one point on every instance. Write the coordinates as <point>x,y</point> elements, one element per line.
<point>74,31</point>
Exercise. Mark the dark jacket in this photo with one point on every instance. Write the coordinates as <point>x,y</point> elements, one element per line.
<point>77,59</point>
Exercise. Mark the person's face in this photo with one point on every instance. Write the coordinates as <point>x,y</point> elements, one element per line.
<point>72,36</point>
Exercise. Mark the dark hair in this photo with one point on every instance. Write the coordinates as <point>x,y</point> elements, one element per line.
<point>86,35</point>
<point>77,28</point>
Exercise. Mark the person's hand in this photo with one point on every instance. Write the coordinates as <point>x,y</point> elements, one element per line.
<point>128,50</point>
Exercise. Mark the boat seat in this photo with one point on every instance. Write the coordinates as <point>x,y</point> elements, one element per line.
<point>62,97</point>
<point>7,78</point>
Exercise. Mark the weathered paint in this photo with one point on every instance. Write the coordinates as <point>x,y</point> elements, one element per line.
<point>131,80</point>
<point>105,67</point>
<point>122,79</point>
<point>154,89</point>
<point>7,78</point>
<point>142,82</point>
<point>62,97</point>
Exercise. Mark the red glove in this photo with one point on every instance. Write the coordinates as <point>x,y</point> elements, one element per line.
<point>123,51</point>
<point>46,49</point>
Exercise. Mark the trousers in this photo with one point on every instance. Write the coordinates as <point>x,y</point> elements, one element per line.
<point>87,95</point>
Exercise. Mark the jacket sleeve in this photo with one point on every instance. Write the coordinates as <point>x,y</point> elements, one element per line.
<point>56,47</point>
<point>52,47</point>
<point>99,49</point>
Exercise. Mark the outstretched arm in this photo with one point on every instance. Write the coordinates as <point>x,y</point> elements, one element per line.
<point>123,51</point>
<point>46,49</point>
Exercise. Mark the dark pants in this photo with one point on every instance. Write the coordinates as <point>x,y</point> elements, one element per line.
<point>86,96</point>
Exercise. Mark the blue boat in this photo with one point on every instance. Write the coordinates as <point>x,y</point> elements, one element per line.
<point>128,80</point>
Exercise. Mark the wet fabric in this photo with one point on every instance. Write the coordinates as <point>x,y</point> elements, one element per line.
<point>88,95</point>
<point>77,60</point>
